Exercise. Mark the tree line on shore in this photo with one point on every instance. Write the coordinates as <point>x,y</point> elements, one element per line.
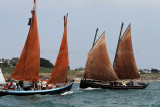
<point>13,62</point>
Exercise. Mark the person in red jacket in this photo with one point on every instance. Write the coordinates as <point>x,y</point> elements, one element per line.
<point>6,86</point>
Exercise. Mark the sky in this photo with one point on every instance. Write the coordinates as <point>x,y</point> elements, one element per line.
<point>84,17</point>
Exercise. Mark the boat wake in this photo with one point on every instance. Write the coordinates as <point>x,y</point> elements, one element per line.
<point>89,88</point>
<point>68,92</point>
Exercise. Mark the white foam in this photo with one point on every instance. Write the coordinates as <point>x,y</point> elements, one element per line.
<point>89,88</point>
<point>68,92</point>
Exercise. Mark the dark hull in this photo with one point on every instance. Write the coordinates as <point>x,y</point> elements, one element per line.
<point>41,92</point>
<point>99,84</point>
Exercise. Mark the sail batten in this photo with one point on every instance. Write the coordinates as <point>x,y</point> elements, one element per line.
<point>27,68</point>
<point>98,65</point>
<point>125,64</point>
<point>59,72</point>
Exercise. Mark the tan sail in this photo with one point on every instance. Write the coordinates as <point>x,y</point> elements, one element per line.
<point>98,64</point>
<point>125,65</point>
<point>59,73</point>
<point>27,68</point>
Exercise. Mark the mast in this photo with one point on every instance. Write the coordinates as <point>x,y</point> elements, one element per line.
<point>65,19</point>
<point>95,37</point>
<point>34,6</point>
<point>118,44</point>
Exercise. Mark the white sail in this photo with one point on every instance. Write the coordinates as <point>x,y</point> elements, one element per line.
<point>2,80</point>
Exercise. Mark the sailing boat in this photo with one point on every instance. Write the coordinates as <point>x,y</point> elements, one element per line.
<point>98,66</point>
<point>2,80</point>
<point>124,65</point>
<point>27,68</point>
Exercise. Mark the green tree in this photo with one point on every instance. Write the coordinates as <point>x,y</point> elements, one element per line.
<point>154,70</point>
<point>5,64</point>
<point>45,63</point>
<point>14,61</point>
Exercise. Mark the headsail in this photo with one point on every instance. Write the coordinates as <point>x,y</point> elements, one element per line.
<point>98,64</point>
<point>27,68</point>
<point>2,80</point>
<point>125,65</point>
<point>59,73</point>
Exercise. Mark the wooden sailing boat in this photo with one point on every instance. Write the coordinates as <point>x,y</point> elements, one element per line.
<point>124,65</point>
<point>124,62</point>
<point>27,68</point>
<point>98,66</point>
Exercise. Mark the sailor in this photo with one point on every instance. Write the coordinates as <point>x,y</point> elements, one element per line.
<point>6,86</point>
<point>115,83</point>
<point>14,85</point>
<point>124,83</point>
<point>10,85</point>
<point>44,82</point>
<point>39,85</point>
<point>18,88</point>
<point>54,86</point>
<point>132,82</point>
<point>21,84</point>
<point>49,87</point>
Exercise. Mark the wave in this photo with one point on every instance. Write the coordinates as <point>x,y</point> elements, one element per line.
<point>89,88</point>
<point>68,92</point>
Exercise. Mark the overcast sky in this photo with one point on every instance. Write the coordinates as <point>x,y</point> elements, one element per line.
<point>84,17</point>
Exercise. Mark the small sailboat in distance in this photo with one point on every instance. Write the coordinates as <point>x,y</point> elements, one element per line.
<point>27,68</point>
<point>2,80</point>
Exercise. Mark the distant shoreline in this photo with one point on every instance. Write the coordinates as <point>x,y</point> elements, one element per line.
<point>77,75</point>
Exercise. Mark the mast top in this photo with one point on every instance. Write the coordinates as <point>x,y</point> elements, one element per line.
<point>95,37</point>
<point>34,7</point>
<point>65,19</point>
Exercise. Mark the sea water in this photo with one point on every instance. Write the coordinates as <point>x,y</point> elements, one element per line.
<point>89,97</point>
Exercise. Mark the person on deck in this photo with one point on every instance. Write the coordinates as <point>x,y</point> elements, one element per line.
<point>39,85</point>
<point>34,86</point>
<point>54,86</point>
<point>10,85</point>
<point>49,87</point>
<point>124,83</point>
<point>6,86</point>
<point>21,84</point>
<point>18,88</point>
<point>115,83</point>
<point>14,85</point>
<point>132,82</point>
<point>44,83</point>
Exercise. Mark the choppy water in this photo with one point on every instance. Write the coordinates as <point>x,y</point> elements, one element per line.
<point>90,98</point>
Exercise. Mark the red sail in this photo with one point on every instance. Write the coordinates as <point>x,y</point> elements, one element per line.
<point>59,73</point>
<point>98,64</point>
<point>125,65</point>
<point>27,68</point>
